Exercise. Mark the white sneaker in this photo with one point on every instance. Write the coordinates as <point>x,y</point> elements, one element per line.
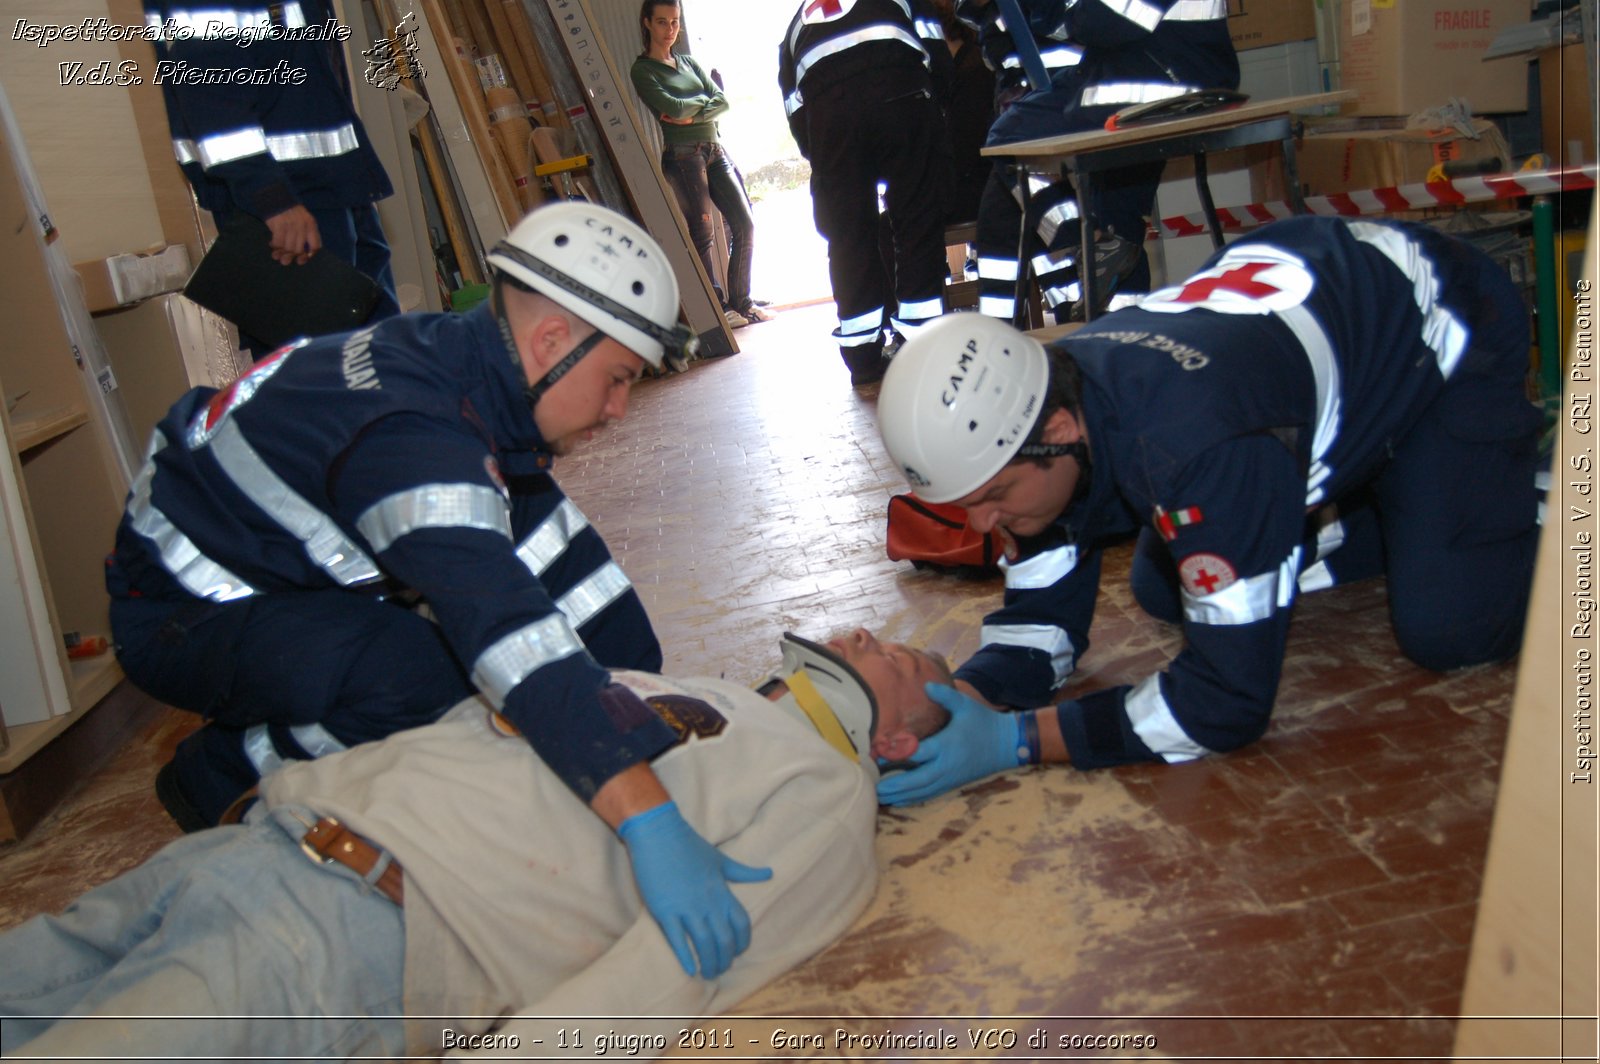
<point>734,319</point>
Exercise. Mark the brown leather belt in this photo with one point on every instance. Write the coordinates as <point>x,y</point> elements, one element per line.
<point>329,840</point>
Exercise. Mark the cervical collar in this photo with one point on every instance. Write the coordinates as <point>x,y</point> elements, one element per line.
<point>813,672</point>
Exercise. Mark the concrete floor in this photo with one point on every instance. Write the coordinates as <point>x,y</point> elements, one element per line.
<point>1312,896</point>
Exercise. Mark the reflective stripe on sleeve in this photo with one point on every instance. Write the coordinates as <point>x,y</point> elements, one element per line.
<point>1042,570</point>
<point>845,41</point>
<point>1246,601</point>
<point>594,593</point>
<point>1153,722</point>
<point>1241,602</point>
<point>554,534</point>
<point>434,506</point>
<point>325,543</point>
<point>515,657</point>
<point>1046,637</point>
<point>284,147</point>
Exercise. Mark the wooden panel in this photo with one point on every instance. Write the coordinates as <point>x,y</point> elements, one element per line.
<point>1535,943</point>
<point>80,135</point>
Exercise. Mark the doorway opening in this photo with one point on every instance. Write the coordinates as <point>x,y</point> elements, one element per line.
<point>739,41</point>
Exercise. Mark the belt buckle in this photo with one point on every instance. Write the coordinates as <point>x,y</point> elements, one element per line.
<point>309,848</point>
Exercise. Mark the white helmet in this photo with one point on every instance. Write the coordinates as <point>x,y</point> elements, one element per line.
<point>604,268</point>
<point>958,402</point>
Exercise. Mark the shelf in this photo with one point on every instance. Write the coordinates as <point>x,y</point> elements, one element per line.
<point>91,680</point>
<point>25,740</point>
<point>42,428</point>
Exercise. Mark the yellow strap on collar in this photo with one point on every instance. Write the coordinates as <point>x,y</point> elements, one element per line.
<point>811,702</point>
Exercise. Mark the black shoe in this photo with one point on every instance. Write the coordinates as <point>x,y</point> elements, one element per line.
<point>868,368</point>
<point>178,807</point>
<point>1114,259</point>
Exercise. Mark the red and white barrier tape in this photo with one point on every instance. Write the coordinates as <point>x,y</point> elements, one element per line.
<point>1419,196</point>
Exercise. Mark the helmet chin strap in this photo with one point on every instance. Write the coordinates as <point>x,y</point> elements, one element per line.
<point>1077,449</point>
<point>535,391</point>
<point>828,693</point>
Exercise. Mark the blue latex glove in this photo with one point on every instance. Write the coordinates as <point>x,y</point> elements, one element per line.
<point>977,742</point>
<point>684,882</point>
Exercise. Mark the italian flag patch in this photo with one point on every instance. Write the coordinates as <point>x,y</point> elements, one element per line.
<point>1168,523</point>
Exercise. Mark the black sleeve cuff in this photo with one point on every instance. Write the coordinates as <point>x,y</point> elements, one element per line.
<point>1097,731</point>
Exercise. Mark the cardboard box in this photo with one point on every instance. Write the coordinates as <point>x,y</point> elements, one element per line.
<point>123,280</point>
<point>161,348</point>
<point>1405,56</point>
<point>1566,113</point>
<point>1368,159</point>
<point>1279,70</point>
<point>1259,23</point>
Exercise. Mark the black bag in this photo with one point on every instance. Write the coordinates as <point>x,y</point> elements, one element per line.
<point>240,280</point>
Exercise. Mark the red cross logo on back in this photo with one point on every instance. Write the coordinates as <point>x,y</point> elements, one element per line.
<point>1241,280</point>
<point>825,10</point>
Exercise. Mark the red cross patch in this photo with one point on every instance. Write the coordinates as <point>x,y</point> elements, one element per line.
<point>825,10</point>
<point>1206,574</point>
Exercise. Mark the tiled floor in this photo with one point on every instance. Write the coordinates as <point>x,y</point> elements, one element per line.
<point>1310,897</point>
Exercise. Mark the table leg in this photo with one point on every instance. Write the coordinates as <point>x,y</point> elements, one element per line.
<point>1202,184</point>
<point>1020,312</point>
<point>1291,175</point>
<point>1083,185</point>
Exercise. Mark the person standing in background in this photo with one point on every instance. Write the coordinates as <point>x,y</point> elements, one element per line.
<point>862,84</point>
<point>1101,56</point>
<point>687,101</point>
<point>968,114</point>
<point>291,152</point>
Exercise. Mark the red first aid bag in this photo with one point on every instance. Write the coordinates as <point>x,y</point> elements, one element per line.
<point>936,534</point>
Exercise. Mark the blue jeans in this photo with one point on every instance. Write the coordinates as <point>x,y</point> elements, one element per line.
<point>232,922</point>
<point>702,176</point>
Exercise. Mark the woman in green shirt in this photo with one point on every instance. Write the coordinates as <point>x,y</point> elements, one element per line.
<point>686,101</point>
